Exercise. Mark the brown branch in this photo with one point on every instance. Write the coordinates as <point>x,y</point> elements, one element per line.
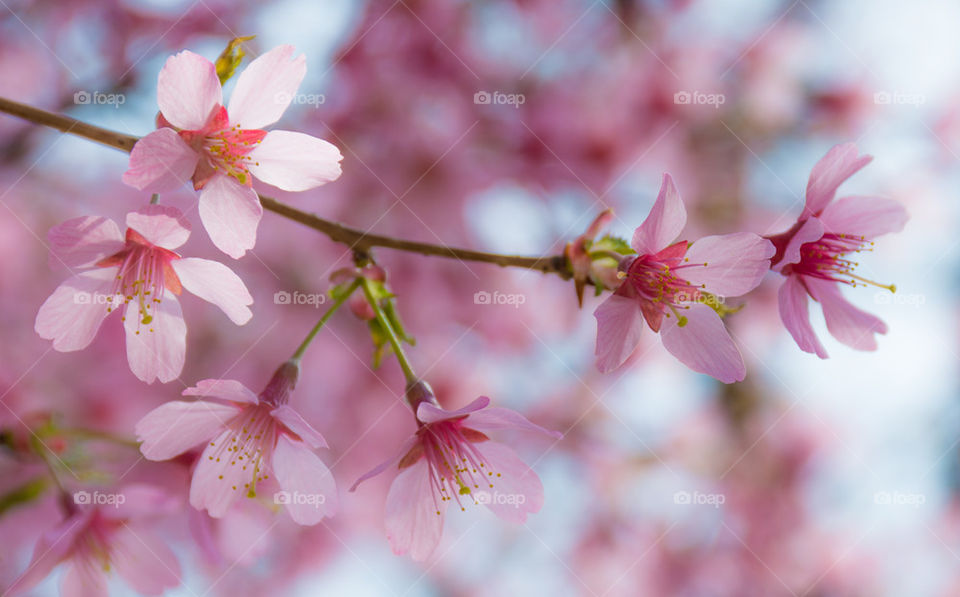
<point>358,240</point>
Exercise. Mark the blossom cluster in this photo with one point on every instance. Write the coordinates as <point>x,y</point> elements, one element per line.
<point>243,445</point>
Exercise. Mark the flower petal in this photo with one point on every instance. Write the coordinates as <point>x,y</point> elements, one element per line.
<point>188,90</point>
<point>728,265</point>
<point>619,327</point>
<point>157,349</point>
<point>177,426</point>
<point>497,419</point>
<point>846,323</point>
<point>72,315</point>
<point>142,500</point>
<point>392,461</point>
<point>295,161</point>
<point>311,491</point>
<point>868,217</point>
<point>293,421</point>
<point>84,578</point>
<point>218,479</point>
<point>840,163</point>
<point>84,241</point>
<point>52,548</point>
<point>162,225</point>
<point>143,560</point>
<point>431,413</point>
<point>226,389</point>
<point>703,344</point>
<point>795,314</point>
<point>666,219</point>
<point>266,87</point>
<point>810,231</point>
<point>217,284</point>
<point>230,212</point>
<point>514,489</point>
<point>414,515</point>
<point>160,162</point>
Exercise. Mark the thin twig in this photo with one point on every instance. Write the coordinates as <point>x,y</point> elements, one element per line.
<point>357,239</point>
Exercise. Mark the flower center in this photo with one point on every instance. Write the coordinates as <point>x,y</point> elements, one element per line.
<point>226,148</point>
<point>828,259</point>
<point>456,466</point>
<point>656,281</point>
<point>252,436</point>
<point>143,274</point>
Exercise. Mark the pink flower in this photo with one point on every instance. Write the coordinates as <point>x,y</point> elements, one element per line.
<point>142,271</point>
<point>671,285</point>
<point>248,440</point>
<point>220,148</point>
<point>97,539</point>
<point>451,458</point>
<point>814,254</point>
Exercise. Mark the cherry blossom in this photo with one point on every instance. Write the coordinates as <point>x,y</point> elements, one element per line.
<point>672,285</point>
<point>109,536</point>
<point>249,439</point>
<point>451,458</point>
<point>220,148</point>
<point>141,271</point>
<point>816,254</point>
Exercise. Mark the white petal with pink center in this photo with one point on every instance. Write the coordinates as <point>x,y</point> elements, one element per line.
<point>266,87</point>
<point>295,161</point>
<point>81,242</point>
<point>72,315</point>
<point>188,90</point>
<point>216,283</point>
<point>175,427</point>
<point>230,212</point>
<point>156,340</point>
<point>161,161</point>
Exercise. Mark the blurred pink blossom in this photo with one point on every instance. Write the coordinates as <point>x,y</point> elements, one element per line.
<point>812,255</point>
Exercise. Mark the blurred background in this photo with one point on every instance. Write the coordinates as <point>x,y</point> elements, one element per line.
<point>507,126</point>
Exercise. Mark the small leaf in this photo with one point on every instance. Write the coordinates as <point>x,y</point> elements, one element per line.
<point>23,494</point>
<point>613,243</point>
<point>230,58</point>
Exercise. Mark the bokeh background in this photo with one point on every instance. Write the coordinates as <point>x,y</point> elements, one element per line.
<point>836,477</point>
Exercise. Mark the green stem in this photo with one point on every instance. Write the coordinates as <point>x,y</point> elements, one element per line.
<point>408,373</point>
<point>91,434</point>
<point>323,320</point>
<point>155,199</point>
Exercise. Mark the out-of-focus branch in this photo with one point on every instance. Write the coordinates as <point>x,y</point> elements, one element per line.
<point>358,240</point>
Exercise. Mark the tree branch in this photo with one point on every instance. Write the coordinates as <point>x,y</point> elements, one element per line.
<point>358,240</point>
